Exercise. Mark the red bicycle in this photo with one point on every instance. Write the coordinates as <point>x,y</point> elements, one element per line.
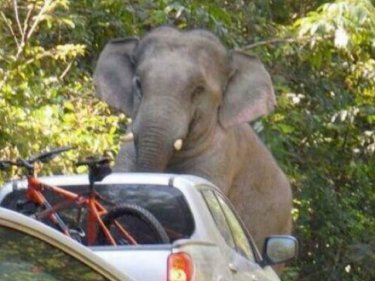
<point>103,226</point>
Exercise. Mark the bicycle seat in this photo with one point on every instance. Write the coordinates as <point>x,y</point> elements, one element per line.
<point>99,168</point>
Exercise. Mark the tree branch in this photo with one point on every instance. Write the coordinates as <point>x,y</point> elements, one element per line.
<point>66,70</point>
<point>11,29</point>
<point>15,6</point>
<point>38,18</point>
<point>26,21</point>
<point>271,41</point>
<point>283,40</point>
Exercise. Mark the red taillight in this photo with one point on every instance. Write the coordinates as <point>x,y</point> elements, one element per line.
<point>180,267</point>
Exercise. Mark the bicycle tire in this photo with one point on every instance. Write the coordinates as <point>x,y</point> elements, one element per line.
<point>139,213</point>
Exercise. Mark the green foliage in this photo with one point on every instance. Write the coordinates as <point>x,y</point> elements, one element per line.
<point>45,96</point>
<point>320,55</point>
<point>326,137</point>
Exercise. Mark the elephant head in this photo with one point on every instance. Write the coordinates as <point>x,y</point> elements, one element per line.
<point>178,87</point>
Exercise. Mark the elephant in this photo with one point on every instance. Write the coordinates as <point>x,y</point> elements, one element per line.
<point>191,100</point>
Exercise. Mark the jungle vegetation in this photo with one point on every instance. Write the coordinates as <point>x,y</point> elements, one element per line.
<point>320,54</point>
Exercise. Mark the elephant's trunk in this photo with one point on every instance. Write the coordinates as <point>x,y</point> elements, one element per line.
<point>159,128</point>
<point>153,151</point>
<point>157,138</point>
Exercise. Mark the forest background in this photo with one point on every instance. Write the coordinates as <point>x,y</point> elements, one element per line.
<point>320,54</point>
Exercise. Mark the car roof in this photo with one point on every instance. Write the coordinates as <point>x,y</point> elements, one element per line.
<point>53,237</point>
<point>175,180</point>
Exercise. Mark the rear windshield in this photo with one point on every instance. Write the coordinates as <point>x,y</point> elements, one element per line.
<point>166,203</point>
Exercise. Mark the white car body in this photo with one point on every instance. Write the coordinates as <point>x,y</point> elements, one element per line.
<point>18,224</point>
<point>213,258</point>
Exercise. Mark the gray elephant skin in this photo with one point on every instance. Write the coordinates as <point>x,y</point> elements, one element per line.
<point>190,100</point>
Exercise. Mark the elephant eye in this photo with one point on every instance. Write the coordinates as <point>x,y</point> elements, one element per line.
<point>197,91</point>
<point>137,85</point>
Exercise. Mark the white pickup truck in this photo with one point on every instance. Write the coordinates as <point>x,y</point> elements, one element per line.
<point>207,239</point>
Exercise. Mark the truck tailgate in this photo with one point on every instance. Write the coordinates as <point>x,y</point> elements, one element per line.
<point>145,262</point>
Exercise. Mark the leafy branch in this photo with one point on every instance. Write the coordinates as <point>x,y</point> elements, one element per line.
<point>300,39</point>
<point>23,29</point>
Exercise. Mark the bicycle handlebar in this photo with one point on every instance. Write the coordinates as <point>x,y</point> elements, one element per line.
<point>99,167</point>
<point>28,163</point>
<point>5,164</point>
<point>49,155</point>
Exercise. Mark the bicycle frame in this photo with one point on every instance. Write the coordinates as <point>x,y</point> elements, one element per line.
<point>95,209</point>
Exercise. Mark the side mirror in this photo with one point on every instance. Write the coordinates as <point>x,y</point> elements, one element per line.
<point>279,249</point>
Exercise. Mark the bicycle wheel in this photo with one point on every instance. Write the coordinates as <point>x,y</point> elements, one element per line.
<point>142,225</point>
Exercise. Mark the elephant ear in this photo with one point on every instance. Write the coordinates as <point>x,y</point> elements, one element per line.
<point>249,93</point>
<point>114,73</point>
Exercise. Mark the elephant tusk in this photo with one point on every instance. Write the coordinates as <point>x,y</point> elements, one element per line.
<point>128,137</point>
<point>178,144</point>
